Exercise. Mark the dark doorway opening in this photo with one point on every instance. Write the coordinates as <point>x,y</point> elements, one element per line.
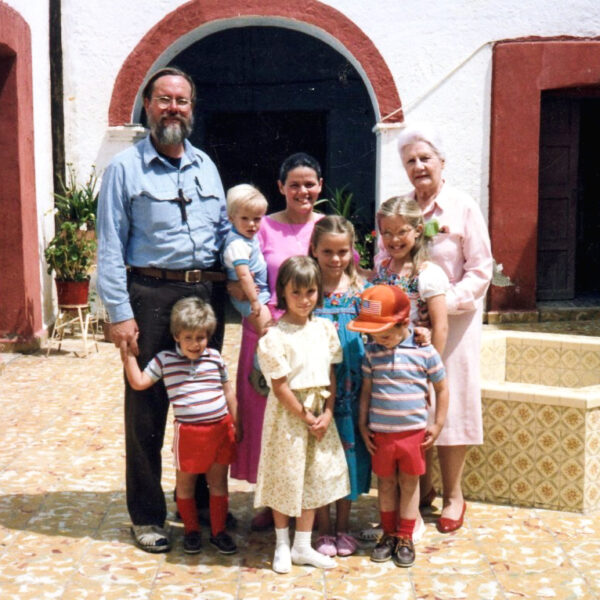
<point>569,197</point>
<point>587,279</point>
<point>267,92</point>
<point>249,146</point>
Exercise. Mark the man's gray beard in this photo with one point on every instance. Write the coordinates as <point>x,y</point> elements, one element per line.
<point>173,133</point>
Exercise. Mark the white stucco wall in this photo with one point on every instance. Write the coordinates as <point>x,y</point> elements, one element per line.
<point>97,38</point>
<point>36,16</point>
<point>441,67</point>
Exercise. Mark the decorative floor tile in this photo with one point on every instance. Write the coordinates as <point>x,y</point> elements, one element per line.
<point>456,587</point>
<point>64,527</point>
<point>563,584</point>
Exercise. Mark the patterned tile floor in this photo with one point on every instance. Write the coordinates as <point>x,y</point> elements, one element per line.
<point>64,527</point>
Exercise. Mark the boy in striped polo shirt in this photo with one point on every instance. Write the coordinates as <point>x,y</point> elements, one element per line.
<point>393,413</point>
<point>205,412</point>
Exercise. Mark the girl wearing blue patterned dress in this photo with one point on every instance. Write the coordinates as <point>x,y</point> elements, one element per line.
<point>332,246</point>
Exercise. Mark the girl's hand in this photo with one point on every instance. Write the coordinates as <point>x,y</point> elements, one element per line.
<point>423,336</point>
<point>367,436</point>
<point>431,434</point>
<point>319,427</point>
<point>309,418</point>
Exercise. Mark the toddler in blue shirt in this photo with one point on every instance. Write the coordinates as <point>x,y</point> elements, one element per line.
<point>242,255</point>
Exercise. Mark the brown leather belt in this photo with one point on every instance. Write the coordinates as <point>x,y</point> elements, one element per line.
<point>191,276</point>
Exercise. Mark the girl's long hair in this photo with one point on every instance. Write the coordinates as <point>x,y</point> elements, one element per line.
<point>407,208</point>
<point>336,224</point>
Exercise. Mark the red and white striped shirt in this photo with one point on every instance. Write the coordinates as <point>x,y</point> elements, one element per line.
<point>194,387</point>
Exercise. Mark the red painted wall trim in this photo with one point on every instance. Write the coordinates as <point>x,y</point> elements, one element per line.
<point>20,291</point>
<point>197,12</point>
<point>521,71</point>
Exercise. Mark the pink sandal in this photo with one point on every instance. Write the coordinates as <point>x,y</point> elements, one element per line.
<point>346,544</point>
<point>325,545</point>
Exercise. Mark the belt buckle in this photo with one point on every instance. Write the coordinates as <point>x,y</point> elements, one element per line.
<point>194,276</point>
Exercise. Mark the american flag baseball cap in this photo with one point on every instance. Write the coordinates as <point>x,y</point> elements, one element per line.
<point>381,307</point>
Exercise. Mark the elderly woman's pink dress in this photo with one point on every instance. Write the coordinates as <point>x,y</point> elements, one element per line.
<point>462,249</point>
<point>278,242</point>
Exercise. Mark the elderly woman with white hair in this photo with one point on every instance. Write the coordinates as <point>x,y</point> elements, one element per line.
<point>461,248</point>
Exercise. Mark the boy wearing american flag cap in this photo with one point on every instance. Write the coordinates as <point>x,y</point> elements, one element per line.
<point>393,413</point>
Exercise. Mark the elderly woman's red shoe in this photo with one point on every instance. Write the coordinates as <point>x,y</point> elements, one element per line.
<point>446,525</point>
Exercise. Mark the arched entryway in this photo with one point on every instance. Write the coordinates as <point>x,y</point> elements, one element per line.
<point>336,53</point>
<point>199,18</point>
<point>265,92</point>
<point>20,292</point>
<point>523,72</point>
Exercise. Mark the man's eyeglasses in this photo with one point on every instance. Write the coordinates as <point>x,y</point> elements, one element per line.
<point>166,101</point>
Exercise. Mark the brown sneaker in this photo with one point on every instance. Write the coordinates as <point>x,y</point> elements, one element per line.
<point>384,549</point>
<point>404,554</point>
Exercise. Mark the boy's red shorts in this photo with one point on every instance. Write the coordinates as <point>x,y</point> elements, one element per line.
<point>197,446</point>
<point>398,452</point>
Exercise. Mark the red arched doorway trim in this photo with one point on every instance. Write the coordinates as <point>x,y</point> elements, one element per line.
<point>192,15</point>
<point>20,291</point>
<point>521,71</point>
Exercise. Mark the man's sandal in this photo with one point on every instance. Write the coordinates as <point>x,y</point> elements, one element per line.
<point>150,538</point>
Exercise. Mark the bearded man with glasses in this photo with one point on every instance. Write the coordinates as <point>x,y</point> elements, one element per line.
<point>162,220</point>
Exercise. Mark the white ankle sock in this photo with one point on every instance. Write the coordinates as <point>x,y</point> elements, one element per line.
<point>282,561</point>
<point>304,554</point>
<point>302,539</point>
<point>282,536</point>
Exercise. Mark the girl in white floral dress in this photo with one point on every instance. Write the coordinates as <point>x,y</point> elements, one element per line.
<point>302,464</point>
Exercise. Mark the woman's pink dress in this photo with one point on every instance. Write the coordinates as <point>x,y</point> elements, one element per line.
<point>278,241</point>
<point>462,250</point>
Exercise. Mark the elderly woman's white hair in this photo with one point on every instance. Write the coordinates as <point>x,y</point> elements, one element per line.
<point>421,132</point>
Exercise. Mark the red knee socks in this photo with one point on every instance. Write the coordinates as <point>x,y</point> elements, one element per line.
<point>406,528</point>
<point>189,514</point>
<point>218,506</point>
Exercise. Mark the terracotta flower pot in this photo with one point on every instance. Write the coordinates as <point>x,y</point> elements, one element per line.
<point>72,292</point>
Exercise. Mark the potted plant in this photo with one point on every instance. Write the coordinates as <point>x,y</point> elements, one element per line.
<point>71,252</point>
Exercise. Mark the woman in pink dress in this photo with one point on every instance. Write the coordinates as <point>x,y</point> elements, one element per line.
<point>281,235</point>
<point>462,249</point>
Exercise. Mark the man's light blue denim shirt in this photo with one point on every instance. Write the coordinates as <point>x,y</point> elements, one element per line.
<point>139,223</point>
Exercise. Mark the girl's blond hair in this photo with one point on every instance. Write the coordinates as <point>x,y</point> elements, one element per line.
<point>407,208</point>
<point>336,224</point>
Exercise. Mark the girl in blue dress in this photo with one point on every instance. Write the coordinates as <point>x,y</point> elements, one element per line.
<point>332,246</point>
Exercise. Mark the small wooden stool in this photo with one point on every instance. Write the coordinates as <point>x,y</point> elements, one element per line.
<point>73,315</point>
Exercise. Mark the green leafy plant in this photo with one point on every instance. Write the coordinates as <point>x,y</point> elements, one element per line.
<point>341,203</point>
<point>365,246</point>
<point>71,252</point>
<point>77,203</point>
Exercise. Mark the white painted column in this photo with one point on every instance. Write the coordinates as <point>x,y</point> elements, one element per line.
<point>390,177</point>
<point>117,139</point>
